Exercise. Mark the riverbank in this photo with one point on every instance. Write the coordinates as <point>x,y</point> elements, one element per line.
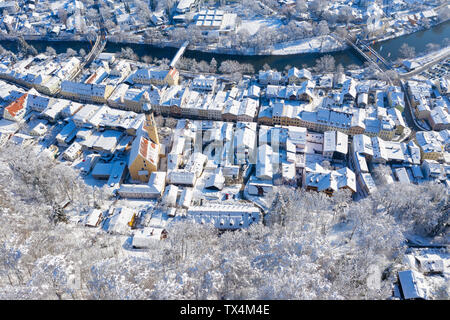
<point>426,61</point>
<point>388,49</point>
<point>405,32</point>
<point>321,44</point>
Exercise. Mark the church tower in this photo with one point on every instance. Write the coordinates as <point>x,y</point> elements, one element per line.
<point>150,124</point>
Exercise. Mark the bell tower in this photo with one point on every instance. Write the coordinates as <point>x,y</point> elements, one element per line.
<point>150,124</point>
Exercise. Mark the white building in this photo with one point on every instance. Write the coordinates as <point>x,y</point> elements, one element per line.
<point>170,196</point>
<point>216,20</point>
<point>269,77</point>
<point>224,216</point>
<point>93,218</point>
<point>184,6</point>
<point>82,117</point>
<point>203,83</point>
<point>121,221</point>
<point>146,237</point>
<point>335,145</point>
<point>72,152</point>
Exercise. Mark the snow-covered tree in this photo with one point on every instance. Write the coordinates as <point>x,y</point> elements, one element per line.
<point>70,52</point>
<point>329,246</point>
<point>407,51</point>
<point>325,63</point>
<point>49,51</point>
<point>213,66</point>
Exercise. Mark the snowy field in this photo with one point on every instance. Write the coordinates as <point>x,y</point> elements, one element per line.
<point>316,44</point>
<point>252,26</point>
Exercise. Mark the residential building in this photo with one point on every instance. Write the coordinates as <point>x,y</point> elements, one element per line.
<point>156,76</point>
<point>225,216</point>
<point>17,109</point>
<point>331,181</point>
<point>335,145</point>
<point>430,144</point>
<point>146,237</point>
<point>439,119</point>
<point>72,152</point>
<point>122,221</point>
<point>269,77</point>
<point>98,93</point>
<point>202,83</point>
<point>296,76</point>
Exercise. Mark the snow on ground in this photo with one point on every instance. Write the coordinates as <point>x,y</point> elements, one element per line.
<point>91,181</point>
<point>316,44</point>
<point>432,56</point>
<point>138,204</point>
<point>252,26</point>
<point>340,233</point>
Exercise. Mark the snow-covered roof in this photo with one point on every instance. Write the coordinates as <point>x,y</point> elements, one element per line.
<point>225,216</point>
<point>362,144</point>
<point>93,217</point>
<point>186,198</point>
<point>409,285</point>
<point>170,195</point>
<point>335,141</point>
<point>144,238</point>
<point>182,177</point>
<point>215,181</point>
<point>157,182</point>
<point>121,220</point>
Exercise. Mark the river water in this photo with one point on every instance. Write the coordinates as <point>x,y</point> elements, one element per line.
<point>418,40</point>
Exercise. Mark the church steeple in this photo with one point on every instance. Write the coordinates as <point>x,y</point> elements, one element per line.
<point>150,124</point>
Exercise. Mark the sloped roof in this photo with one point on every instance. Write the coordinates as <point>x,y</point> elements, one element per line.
<point>17,105</point>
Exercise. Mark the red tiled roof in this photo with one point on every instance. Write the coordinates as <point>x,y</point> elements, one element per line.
<point>91,78</point>
<point>143,147</point>
<point>17,105</point>
<point>173,72</point>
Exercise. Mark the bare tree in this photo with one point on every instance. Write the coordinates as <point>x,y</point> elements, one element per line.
<point>49,51</point>
<point>82,52</point>
<point>322,28</point>
<point>147,59</point>
<point>213,66</point>
<point>128,53</point>
<point>325,64</point>
<point>266,67</point>
<point>431,47</point>
<point>70,52</point>
<point>407,51</point>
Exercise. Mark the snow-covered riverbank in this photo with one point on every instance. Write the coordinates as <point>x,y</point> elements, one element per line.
<point>319,44</point>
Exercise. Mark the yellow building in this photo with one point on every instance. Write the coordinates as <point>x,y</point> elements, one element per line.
<point>173,77</point>
<point>387,135</point>
<point>158,77</point>
<point>50,86</point>
<point>86,91</point>
<point>430,147</point>
<point>144,155</point>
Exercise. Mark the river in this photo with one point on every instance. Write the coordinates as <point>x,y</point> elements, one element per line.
<point>418,40</point>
